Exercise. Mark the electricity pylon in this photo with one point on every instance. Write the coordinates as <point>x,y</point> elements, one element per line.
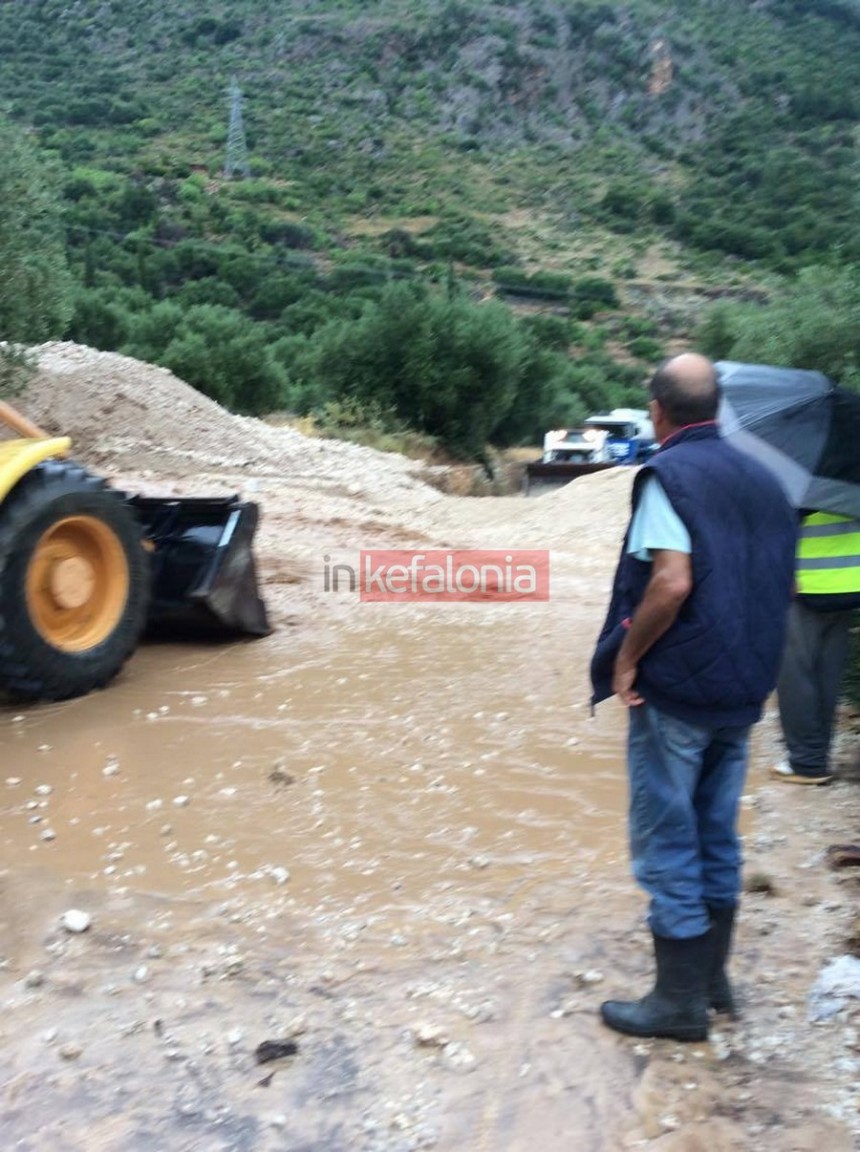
<point>236,163</point>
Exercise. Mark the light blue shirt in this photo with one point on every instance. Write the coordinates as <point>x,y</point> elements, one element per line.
<point>656,524</point>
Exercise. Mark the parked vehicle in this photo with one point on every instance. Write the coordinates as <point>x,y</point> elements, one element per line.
<point>605,440</point>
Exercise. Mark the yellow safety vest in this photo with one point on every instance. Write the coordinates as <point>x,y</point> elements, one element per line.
<point>828,555</point>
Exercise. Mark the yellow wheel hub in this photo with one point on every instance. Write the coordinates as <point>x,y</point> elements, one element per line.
<point>77,583</point>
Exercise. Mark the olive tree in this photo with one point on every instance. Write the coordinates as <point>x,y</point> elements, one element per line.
<point>35,283</point>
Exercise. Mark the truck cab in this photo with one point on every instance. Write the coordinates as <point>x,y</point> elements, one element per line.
<point>629,434</point>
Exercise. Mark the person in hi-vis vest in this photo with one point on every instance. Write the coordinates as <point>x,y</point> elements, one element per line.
<point>818,644</point>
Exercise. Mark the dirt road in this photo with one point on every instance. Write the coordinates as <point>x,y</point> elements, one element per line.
<point>389,839</point>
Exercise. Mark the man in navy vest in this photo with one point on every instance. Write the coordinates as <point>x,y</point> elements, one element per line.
<point>692,645</point>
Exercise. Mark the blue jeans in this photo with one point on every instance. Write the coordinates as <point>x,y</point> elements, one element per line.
<point>685,788</point>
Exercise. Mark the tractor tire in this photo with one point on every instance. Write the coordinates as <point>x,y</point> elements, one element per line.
<point>74,583</point>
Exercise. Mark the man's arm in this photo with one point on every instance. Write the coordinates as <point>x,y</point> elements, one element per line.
<point>670,584</point>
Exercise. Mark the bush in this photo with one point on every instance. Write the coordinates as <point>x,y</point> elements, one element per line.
<point>814,324</point>
<point>441,364</point>
<point>510,278</point>
<point>98,320</point>
<point>623,203</point>
<point>597,291</point>
<point>208,290</point>
<point>228,358</point>
<point>716,334</point>
<point>16,368</point>
<point>464,239</point>
<point>35,285</point>
<point>551,332</point>
<point>662,209</point>
<point>645,348</point>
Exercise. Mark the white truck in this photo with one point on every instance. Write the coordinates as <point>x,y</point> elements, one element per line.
<point>607,439</point>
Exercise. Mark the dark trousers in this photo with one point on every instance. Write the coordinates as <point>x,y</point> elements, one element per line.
<point>810,680</point>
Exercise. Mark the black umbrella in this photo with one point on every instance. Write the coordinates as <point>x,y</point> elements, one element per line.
<point>801,426</point>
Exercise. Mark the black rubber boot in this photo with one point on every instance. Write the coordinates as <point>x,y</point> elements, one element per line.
<point>677,1007</point>
<point>721,996</point>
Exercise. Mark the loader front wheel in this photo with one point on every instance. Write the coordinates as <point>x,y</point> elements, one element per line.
<point>74,583</point>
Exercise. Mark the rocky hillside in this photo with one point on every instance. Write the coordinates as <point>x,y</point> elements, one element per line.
<point>244,191</point>
<point>588,109</point>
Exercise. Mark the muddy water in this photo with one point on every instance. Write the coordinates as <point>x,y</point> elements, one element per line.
<point>383,771</point>
<point>397,845</point>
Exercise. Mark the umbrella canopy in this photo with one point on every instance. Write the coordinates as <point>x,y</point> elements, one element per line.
<point>802,427</point>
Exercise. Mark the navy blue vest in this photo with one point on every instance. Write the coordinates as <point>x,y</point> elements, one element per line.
<point>719,661</point>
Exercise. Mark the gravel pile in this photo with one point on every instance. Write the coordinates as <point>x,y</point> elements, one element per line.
<point>138,416</point>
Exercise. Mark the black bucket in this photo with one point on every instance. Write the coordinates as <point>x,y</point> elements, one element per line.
<point>204,578</point>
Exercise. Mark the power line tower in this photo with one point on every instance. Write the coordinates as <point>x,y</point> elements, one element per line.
<point>236,163</point>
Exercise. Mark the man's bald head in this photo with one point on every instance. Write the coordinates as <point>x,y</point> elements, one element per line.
<point>687,389</point>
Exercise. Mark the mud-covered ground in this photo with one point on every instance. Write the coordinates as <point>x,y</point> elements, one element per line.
<point>389,839</point>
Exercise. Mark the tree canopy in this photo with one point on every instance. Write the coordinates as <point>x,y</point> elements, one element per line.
<point>35,284</point>
<point>814,323</point>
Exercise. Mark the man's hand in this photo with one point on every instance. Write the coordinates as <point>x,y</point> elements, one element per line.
<point>623,679</point>
<point>670,584</point>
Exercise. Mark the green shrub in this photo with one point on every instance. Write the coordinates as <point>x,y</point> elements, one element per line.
<point>645,348</point>
<point>597,291</point>
<point>443,365</point>
<point>35,283</point>
<point>16,369</point>
<point>227,357</point>
<point>813,323</point>
<point>464,239</point>
<point>98,320</point>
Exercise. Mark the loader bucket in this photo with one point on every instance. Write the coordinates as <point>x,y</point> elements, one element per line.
<point>204,579</point>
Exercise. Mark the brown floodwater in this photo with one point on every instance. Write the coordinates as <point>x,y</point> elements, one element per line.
<point>409,830</point>
<point>381,771</point>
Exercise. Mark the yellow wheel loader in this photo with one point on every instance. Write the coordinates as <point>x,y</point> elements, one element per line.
<point>86,570</point>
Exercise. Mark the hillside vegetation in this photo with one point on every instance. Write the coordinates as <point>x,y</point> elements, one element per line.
<point>605,168</point>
